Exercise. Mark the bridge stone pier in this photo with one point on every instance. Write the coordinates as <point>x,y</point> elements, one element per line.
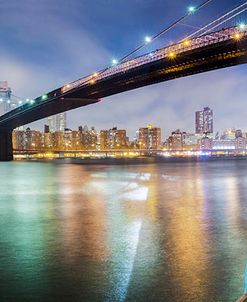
<point>6,148</point>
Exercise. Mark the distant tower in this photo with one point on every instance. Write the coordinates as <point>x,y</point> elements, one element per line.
<point>204,121</point>
<point>57,122</point>
<point>5,97</point>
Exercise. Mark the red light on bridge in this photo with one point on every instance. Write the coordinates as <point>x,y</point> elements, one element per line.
<point>62,98</point>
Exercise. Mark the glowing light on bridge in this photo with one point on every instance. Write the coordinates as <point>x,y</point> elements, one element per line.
<point>148,39</point>
<point>92,81</point>
<point>27,100</point>
<point>171,55</point>
<point>1,100</point>
<point>237,36</point>
<point>32,102</point>
<point>187,43</point>
<point>20,102</point>
<point>191,9</point>
<point>44,97</point>
<point>95,74</point>
<point>242,26</point>
<point>114,62</point>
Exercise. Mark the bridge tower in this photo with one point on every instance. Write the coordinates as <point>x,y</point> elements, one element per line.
<point>6,148</point>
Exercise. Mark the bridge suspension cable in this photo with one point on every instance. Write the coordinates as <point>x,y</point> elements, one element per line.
<point>151,39</point>
<point>165,30</point>
<point>212,25</point>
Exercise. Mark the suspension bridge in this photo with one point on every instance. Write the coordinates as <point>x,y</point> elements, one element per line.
<point>208,48</point>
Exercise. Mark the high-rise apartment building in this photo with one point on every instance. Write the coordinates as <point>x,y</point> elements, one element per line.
<point>149,137</point>
<point>5,97</point>
<point>113,139</point>
<point>204,121</point>
<point>57,122</point>
<point>176,140</point>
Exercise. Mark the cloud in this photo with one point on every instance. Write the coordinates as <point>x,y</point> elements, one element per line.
<point>172,104</point>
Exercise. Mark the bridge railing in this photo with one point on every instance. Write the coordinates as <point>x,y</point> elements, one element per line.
<point>167,52</point>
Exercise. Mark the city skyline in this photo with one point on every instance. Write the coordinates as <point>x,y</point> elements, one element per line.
<point>42,67</point>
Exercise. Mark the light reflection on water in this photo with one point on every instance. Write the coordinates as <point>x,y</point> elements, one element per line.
<point>156,232</point>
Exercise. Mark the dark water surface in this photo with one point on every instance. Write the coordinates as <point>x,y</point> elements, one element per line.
<point>157,232</point>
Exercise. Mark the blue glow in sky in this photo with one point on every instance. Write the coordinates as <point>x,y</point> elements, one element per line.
<point>47,43</point>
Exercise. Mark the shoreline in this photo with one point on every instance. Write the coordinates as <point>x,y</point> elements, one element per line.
<point>134,160</point>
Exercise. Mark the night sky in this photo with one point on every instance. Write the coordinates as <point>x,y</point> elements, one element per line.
<point>46,43</point>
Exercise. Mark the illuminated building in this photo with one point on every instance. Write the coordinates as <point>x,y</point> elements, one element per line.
<point>204,121</point>
<point>103,138</point>
<point>238,133</point>
<point>117,138</point>
<point>229,134</point>
<point>33,139</point>
<point>190,141</point>
<point>224,144</point>
<point>19,140</point>
<point>88,138</point>
<point>113,139</point>
<point>48,139</point>
<point>76,140</point>
<point>176,140</point>
<point>240,143</point>
<point>149,137</point>
<point>57,122</point>
<point>5,98</point>
<point>59,140</point>
<point>206,143</point>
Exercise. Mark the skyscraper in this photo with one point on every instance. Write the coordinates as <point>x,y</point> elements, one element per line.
<point>57,122</point>
<point>204,121</point>
<point>5,97</point>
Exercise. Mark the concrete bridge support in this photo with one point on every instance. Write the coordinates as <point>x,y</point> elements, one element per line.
<point>6,148</point>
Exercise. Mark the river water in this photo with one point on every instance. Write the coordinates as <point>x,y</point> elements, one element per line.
<point>154,232</point>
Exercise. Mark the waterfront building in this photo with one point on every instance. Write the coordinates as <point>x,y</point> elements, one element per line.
<point>5,97</point>
<point>204,121</point>
<point>238,133</point>
<point>88,138</point>
<point>149,137</point>
<point>33,139</point>
<point>103,138</point>
<point>113,138</point>
<point>229,133</point>
<point>59,140</point>
<point>206,143</point>
<point>223,144</point>
<point>176,140</point>
<point>190,141</point>
<point>240,143</point>
<point>19,139</point>
<point>76,140</point>
<point>48,140</point>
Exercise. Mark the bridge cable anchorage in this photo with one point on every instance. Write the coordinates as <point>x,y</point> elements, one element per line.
<point>207,27</point>
<point>91,79</point>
